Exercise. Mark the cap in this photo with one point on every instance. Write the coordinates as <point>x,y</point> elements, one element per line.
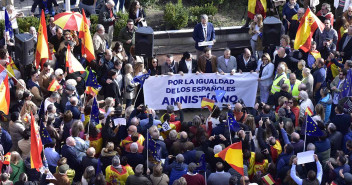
<point>170,109</point>
<point>63,168</point>
<point>59,72</point>
<point>70,87</point>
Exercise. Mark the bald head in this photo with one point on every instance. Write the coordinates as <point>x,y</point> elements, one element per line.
<point>281,52</point>
<point>183,135</point>
<point>70,141</point>
<point>238,107</point>
<point>132,129</point>
<point>91,152</point>
<point>74,100</point>
<point>295,137</point>
<point>246,53</point>
<point>135,121</point>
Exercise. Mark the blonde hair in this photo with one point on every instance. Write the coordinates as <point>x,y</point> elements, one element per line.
<point>260,20</point>
<point>15,157</point>
<point>128,69</point>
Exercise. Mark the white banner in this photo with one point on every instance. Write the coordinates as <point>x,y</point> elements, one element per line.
<point>189,89</point>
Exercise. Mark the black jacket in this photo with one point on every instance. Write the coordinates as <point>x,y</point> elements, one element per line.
<point>290,61</point>
<point>183,67</point>
<point>347,50</point>
<point>105,19</point>
<point>251,65</point>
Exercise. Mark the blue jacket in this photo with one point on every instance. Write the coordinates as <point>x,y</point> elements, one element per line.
<point>198,34</point>
<point>6,140</point>
<point>72,159</point>
<point>326,102</point>
<point>289,12</point>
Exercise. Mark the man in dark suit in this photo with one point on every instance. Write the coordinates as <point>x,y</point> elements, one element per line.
<point>227,63</point>
<point>281,56</point>
<point>187,64</point>
<point>341,120</point>
<point>245,62</point>
<point>51,27</point>
<point>203,31</point>
<point>89,159</point>
<point>170,66</point>
<point>345,45</point>
<point>69,151</point>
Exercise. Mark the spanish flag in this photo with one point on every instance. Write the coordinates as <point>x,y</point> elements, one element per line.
<point>54,85</point>
<point>42,53</point>
<point>256,7</point>
<point>4,91</point>
<point>233,156</point>
<point>87,43</point>
<point>207,103</point>
<point>10,67</point>
<point>7,158</point>
<point>268,179</point>
<point>309,23</point>
<point>36,145</point>
<point>72,63</point>
<point>308,111</point>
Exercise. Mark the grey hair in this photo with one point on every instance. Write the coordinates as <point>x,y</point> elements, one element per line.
<point>227,50</point>
<point>282,67</point>
<point>204,16</point>
<point>311,146</point>
<point>349,62</point>
<point>115,161</point>
<point>301,9</point>
<point>110,2</point>
<point>302,62</point>
<point>180,158</point>
<point>332,127</point>
<point>303,95</point>
<point>55,95</point>
<point>134,147</point>
<point>306,70</point>
<point>139,169</point>
<point>173,134</point>
<point>99,26</point>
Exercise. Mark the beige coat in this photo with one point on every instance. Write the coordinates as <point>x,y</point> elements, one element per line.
<point>128,79</point>
<point>259,40</point>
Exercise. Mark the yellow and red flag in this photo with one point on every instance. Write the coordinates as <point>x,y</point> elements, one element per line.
<point>268,179</point>
<point>87,43</point>
<point>72,63</point>
<point>309,23</point>
<point>4,91</point>
<point>54,85</point>
<point>308,111</point>
<point>42,52</point>
<point>10,67</point>
<point>7,158</point>
<point>233,155</point>
<point>261,7</point>
<point>206,102</point>
<point>36,145</point>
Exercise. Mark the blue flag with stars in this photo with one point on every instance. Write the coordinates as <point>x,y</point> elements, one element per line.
<point>312,128</point>
<point>202,164</point>
<point>346,88</point>
<point>154,148</point>
<point>141,78</point>
<point>46,139</point>
<point>94,115</point>
<point>219,94</point>
<point>92,80</point>
<point>8,25</point>
<point>234,126</point>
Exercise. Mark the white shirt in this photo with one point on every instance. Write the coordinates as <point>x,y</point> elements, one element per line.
<point>189,66</point>
<point>226,61</point>
<point>47,103</point>
<point>246,61</point>
<point>205,32</point>
<point>14,21</point>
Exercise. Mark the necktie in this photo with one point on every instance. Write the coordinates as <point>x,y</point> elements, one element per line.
<point>205,33</point>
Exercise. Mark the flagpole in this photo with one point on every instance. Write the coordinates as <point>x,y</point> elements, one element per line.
<point>228,124</point>
<point>305,134</point>
<point>205,176</point>
<point>15,78</point>
<point>137,96</point>
<point>147,147</point>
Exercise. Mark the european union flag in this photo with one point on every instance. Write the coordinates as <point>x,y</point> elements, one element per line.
<point>202,165</point>
<point>346,88</point>
<point>94,115</point>
<point>8,25</point>
<point>219,94</point>
<point>312,128</point>
<point>234,126</point>
<point>46,139</point>
<point>154,148</point>
<point>41,110</point>
<point>141,78</point>
<point>92,80</point>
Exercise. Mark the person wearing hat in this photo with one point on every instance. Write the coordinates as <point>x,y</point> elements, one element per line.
<point>116,173</point>
<point>60,77</point>
<point>69,92</point>
<point>61,176</point>
<point>328,47</point>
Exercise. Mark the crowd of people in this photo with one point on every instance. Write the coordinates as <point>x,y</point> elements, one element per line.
<point>114,150</point>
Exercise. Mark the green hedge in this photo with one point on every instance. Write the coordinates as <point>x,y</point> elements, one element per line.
<point>176,15</point>
<point>23,24</point>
